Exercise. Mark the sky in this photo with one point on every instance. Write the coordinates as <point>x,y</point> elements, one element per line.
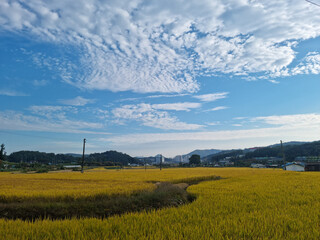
<point>149,77</point>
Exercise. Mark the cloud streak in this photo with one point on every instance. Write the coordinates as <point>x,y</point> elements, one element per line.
<point>11,120</point>
<point>77,101</point>
<point>216,109</point>
<point>211,97</point>
<point>149,115</point>
<point>290,120</point>
<point>184,106</point>
<point>299,127</point>
<point>275,133</point>
<point>11,93</point>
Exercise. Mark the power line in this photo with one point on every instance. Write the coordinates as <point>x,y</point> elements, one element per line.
<point>312,3</point>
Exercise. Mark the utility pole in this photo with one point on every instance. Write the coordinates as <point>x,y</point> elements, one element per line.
<point>283,156</point>
<point>145,165</point>
<point>84,146</point>
<point>160,162</point>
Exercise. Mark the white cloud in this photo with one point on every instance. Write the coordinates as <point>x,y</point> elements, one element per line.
<point>299,127</point>
<point>275,133</point>
<point>163,46</point>
<point>11,120</point>
<point>211,97</point>
<point>310,64</point>
<point>52,112</point>
<point>240,118</point>
<point>296,120</point>
<point>213,123</point>
<point>167,95</point>
<point>151,117</point>
<point>183,106</point>
<point>77,101</point>
<point>290,127</point>
<point>273,81</point>
<point>12,93</point>
<point>216,108</point>
<point>40,83</point>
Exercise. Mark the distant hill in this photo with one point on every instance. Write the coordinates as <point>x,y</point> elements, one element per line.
<point>222,154</point>
<point>291,151</point>
<point>202,153</point>
<point>205,152</point>
<point>111,157</point>
<point>40,157</point>
<point>288,144</point>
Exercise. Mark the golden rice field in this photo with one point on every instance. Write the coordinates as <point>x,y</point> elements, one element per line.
<point>245,204</point>
<point>92,182</point>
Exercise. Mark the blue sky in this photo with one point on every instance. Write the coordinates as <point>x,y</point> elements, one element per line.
<point>149,77</point>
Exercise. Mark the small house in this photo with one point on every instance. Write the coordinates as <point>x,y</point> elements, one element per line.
<point>294,166</point>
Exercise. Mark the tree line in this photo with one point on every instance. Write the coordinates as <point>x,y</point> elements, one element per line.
<point>290,152</point>
<point>104,158</point>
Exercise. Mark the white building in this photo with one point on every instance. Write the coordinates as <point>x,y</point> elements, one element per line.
<point>298,167</point>
<point>159,158</point>
<point>257,165</point>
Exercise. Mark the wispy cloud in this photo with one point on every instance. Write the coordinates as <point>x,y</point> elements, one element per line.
<point>302,127</point>
<point>51,112</point>
<point>240,118</point>
<point>296,120</point>
<point>213,123</point>
<point>310,64</point>
<point>216,109</point>
<point>77,101</point>
<point>12,93</point>
<point>40,83</point>
<point>183,106</point>
<point>273,81</point>
<point>167,95</point>
<point>212,96</point>
<point>149,116</point>
<point>12,120</point>
<point>300,132</point>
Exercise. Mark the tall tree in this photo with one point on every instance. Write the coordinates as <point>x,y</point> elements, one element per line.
<point>194,159</point>
<point>2,152</point>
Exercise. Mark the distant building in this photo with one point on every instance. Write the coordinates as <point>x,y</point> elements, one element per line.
<point>133,165</point>
<point>159,158</point>
<point>272,166</point>
<point>269,159</point>
<point>295,166</point>
<point>258,165</point>
<point>72,166</point>
<point>226,162</point>
<point>313,159</point>
<point>300,159</point>
<point>178,159</point>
